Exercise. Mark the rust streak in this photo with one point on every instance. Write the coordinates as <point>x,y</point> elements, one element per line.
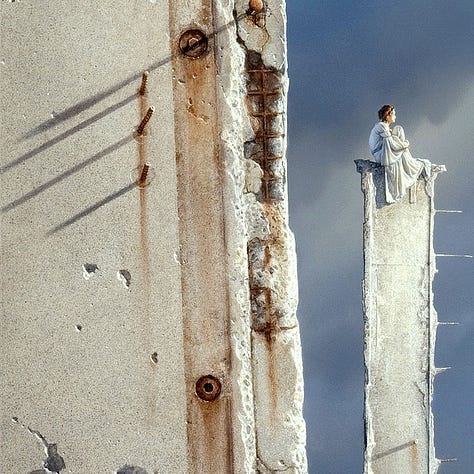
<point>414,458</point>
<point>145,303</point>
<point>204,287</point>
<point>144,247</point>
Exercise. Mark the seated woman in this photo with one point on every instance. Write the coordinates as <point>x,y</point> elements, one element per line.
<point>390,148</point>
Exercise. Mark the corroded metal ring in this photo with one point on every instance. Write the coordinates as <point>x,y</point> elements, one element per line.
<point>193,43</point>
<point>208,388</point>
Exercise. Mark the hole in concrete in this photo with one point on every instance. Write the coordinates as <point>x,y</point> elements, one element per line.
<point>125,277</point>
<point>88,270</point>
<point>78,327</point>
<point>208,388</point>
<point>154,357</point>
<point>131,470</point>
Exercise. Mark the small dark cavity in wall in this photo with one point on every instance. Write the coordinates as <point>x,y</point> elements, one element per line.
<point>265,108</point>
<point>264,319</point>
<point>266,316</point>
<point>131,470</point>
<point>154,357</point>
<point>125,277</point>
<point>88,270</point>
<point>54,463</point>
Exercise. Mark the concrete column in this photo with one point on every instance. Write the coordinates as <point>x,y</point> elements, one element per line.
<point>400,326</point>
<point>149,274</point>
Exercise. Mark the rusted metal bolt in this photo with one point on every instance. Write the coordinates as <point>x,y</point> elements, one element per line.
<point>142,90</point>
<point>193,43</point>
<point>208,388</point>
<point>256,6</point>
<point>145,120</point>
<point>144,174</point>
<point>257,10</point>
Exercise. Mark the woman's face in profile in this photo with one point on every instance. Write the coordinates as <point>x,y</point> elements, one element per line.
<point>391,117</point>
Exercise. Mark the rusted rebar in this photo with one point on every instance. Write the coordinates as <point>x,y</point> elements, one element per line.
<point>144,173</point>
<point>145,120</point>
<point>143,85</point>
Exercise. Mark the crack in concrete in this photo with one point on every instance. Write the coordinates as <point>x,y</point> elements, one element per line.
<point>54,462</point>
<point>268,470</point>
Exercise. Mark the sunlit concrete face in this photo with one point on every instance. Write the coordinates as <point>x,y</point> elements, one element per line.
<point>144,160</point>
<point>92,352</point>
<point>400,326</point>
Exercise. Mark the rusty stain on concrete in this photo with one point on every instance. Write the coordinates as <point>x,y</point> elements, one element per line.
<point>144,115</point>
<point>414,458</point>
<point>202,235</point>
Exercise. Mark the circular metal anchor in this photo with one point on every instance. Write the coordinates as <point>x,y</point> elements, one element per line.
<point>193,43</point>
<point>208,388</point>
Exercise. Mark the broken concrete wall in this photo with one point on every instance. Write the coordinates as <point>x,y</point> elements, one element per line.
<point>149,282</point>
<point>400,326</point>
<point>92,337</point>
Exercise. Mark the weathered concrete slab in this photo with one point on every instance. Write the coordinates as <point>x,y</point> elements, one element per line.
<point>400,326</point>
<point>134,335</point>
<point>78,344</point>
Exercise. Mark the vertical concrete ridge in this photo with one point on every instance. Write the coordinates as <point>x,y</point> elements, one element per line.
<point>433,462</point>
<point>370,320</point>
<point>194,40</point>
<point>263,253</point>
<point>400,326</point>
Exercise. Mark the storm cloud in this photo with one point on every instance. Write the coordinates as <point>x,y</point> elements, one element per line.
<point>346,60</point>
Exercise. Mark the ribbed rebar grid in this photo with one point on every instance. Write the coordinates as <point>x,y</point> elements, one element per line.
<point>264,94</point>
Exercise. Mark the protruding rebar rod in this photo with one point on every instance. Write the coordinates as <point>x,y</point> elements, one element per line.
<point>144,174</point>
<point>447,211</point>
<point>145,120</point>
<point>452,255</point>
<point>143,85</point>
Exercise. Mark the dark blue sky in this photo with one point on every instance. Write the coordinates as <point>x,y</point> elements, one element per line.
<point>346,59</point>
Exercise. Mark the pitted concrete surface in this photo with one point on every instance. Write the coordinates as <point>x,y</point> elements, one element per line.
<point>400,326</point>
<point>126,266</point>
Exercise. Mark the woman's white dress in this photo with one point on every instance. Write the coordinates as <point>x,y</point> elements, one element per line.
<point>390,148</point>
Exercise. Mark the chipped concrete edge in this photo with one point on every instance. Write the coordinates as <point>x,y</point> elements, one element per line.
<point>433,462</point>
<point>257,218</point>
<point>368,309</point>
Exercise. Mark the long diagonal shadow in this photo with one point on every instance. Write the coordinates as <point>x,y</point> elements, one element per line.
<point>67,133</point>
<point>34,192</point>
<point>91,209</point>
<point>394,450</point>
<point>91,101</point>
